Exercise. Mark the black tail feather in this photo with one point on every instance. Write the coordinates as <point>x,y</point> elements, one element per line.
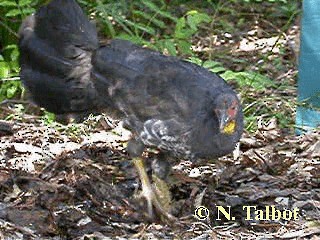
<point>56,45</point>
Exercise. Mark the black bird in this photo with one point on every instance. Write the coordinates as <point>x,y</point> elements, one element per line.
<point>178,107</point>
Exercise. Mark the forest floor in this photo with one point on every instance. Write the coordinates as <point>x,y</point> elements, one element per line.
<point>77,181</point>
<point>59,185</point>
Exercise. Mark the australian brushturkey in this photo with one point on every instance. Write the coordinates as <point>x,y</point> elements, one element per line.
<point>176,106</point>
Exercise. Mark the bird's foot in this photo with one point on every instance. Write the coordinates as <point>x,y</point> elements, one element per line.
<point>157,195</point>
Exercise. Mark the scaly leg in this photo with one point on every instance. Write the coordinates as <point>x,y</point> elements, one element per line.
<point>160,171</point>
<point>149,193</point>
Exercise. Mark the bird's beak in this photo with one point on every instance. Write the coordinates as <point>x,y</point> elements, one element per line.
<point>226,125</point>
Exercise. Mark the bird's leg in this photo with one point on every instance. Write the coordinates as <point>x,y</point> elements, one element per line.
<point>135,149</point>
<point>147,190</point>
<point>160,171</point>
<point>150,194</point>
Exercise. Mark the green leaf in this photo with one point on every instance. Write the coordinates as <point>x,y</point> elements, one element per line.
<point>28,10</point>
<point>18,12</point>
<point>169,45</point>
<point>14,66</point>
<point>10,46</point>
<point>184,47</point>
<point>195,60</point>
<point>135,39</point>
<point>211,64</point>
<point>105,19</point>
<point>8,4</point>
<point>13,13</point>
<point>252,79</point>
<point>150,18</point>
<point>4,70</point>
<point>151,5</point>
<point>12,90</point>
<point>195,19</point>
<point>14,54</point>
<point>23,3</point>
<point>192,23</point>
<point>214,66</point>
<point>156,9</point>
<point>142,27</point>
<point>123,23</point>
<point>185,34</point>
<point>181,23</point>
<point>182,31</point>
<point>217,69</point>
<point>192,12</point>
<point>48,117</point>
<point>110,28</point>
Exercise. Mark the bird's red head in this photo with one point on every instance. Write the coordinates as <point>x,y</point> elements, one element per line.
<point>227,107</point>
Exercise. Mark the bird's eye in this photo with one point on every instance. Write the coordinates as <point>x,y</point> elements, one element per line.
<point>225,103</point>
<point>232,111</point>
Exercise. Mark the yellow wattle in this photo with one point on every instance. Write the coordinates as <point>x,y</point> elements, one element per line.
<point>230,127</point>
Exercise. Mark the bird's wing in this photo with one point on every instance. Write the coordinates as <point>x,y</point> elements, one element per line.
<point>161,96</point>
<point>148,84</point>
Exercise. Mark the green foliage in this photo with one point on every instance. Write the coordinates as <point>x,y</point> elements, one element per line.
<point>48,118</point>
<point>17,112</point>
<point>9,86</point>
<point>17,8</point>
<point>134,18</point>
<point>185,28</point>
<point>9,89</point>
<point>244,79</point>
<point>249,79</point>
<point>144,19</point>
<point>287,8</point>
<point>11,14</point>
<point>270,1</point>
<point>9,65</point>
<point>250,84</point>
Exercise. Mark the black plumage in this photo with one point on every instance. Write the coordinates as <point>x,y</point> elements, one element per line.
<point>170,103</point>
<point>173,105</point>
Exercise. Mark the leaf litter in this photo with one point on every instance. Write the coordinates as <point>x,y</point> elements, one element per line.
<point>86,187</point>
